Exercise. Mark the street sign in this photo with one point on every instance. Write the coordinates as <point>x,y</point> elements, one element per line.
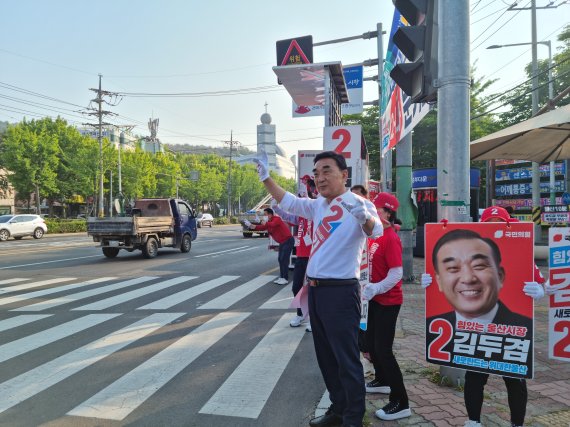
<point>295,51</point>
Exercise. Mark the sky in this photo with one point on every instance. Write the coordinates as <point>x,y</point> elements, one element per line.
<point>57,49</point>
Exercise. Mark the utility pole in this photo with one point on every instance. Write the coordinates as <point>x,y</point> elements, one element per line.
<point>231,143</point>
<point>99,112</point>
<point>453,82</point>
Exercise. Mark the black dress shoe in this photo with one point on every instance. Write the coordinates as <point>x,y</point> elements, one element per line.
<point>330,419</point>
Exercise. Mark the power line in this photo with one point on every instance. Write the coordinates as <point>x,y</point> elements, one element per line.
<point>494,32</point>
<point>258,89</point>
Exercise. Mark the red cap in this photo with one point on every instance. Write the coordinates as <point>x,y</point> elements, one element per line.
<point>495,212</point>
<point>386,200</point>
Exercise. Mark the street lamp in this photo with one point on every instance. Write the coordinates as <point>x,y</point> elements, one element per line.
<point>550,97</point>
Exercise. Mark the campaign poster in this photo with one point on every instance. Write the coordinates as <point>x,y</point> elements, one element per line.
<point>347,140</point>
<point>559,309</point>
<point>477,315</point>
<point>399,114</point>
<point>306,177</point>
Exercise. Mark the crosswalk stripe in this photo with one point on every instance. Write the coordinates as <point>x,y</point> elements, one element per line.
<point>177,298</point>
<point>44,292</point>
<point>31,342</point>
<point>23,319</point>
<point>119,399</point>
<point>127,296</point>
<point>15,280</point>
<point>44,305</point>
<point>35,284</point>
<point>281,300</point>
<point>229,298</point>
<point>30,383</point>
<point>247,389</point>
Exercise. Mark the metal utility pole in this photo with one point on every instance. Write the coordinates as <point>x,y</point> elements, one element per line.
<point>231,143</point>
<point>453,137</point>
<point>403,193</point>
<point>100,113</point>
<point>385,160</point>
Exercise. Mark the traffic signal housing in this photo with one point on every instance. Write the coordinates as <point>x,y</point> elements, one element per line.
<point>418,42</point>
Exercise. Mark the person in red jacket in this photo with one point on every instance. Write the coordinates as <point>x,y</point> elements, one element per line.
<point>281,233</point>
<point>385,295</point>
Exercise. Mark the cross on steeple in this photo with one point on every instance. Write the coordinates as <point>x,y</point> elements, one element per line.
<point>266,104</point>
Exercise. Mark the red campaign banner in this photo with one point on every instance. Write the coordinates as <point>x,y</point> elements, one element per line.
<point>477,315</point>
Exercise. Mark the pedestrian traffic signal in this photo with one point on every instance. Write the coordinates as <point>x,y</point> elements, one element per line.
<point>418,42</point>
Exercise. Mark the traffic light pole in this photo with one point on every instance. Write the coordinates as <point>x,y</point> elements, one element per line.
<point>453,137</point>
<point>406,210</point>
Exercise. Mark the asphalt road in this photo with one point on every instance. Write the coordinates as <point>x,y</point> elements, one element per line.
<point>198,339</point>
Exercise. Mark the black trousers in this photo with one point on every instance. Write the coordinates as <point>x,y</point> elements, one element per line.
<point>283,257</point>
<point>335,318</point>
<point>380,339</point>
<point>299,277</point>
<point>473,395</point>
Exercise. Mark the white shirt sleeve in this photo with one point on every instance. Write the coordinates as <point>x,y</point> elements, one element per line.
<point>300,206</point>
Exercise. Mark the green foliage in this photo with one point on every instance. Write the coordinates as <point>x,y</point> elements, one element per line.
<point>66,226</point>
<point>222,220</point>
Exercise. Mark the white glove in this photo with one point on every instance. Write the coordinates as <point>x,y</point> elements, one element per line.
<point>262,169</point>
<point>426,280</point>
<point>533,290</point>
<point>247,223</point>
<point>552,289</point>
<point>369,291</point>
<point>359,211</point>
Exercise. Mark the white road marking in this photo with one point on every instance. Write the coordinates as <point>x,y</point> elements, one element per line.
<point>281,300</point>
<point>43,305</point>
<point>127,296</point>
<point>220,252</point>
<point>23,319</point>
<point>32,382</point>
<point>49,262</point>
<point>32,342</point>
<point>36,284</point>
<point>229,298</point>
<point>5,282</point>
<point>177,298</point>
<point>247,389</point>
<point>323,405</point>
<point>118,400</point>
<point>43,292</point>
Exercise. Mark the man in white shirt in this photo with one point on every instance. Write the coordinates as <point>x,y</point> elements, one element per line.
<point>342,222</point>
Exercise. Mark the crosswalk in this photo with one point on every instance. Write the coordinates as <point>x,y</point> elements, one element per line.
<point>100,319</point>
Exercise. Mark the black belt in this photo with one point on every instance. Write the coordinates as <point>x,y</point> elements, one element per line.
<point>332,282</point>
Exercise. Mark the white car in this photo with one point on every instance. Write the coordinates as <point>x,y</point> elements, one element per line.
<point>18,226</point>
<point>205,219</point>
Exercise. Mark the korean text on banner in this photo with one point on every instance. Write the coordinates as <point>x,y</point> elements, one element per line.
<point>477,315</point>
<point>559,311</point>
<point>399,115</point>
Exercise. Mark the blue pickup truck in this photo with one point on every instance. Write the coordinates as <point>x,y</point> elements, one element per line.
<point>150,225</point>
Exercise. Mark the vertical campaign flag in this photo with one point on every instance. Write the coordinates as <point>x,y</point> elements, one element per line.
<point>399,115</point>
<point>559,311</point>
<point>477,315</point>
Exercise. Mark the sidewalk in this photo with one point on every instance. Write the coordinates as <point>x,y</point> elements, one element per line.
<point>439,405</point>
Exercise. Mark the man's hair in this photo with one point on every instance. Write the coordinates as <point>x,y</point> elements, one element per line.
<point>340,161</point>
<point>269,211</point>
<point>463,234</point>
<point>510,210</point>
<point>360,187</point>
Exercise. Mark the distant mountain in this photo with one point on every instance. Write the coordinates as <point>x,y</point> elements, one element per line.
<point>204,149</point>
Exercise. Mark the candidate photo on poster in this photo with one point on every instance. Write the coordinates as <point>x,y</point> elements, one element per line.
<point>477,316</point>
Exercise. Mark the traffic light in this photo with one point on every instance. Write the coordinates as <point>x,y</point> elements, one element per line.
<point>418,42</point>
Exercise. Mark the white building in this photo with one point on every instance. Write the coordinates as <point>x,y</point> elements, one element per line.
<point>277,158</point>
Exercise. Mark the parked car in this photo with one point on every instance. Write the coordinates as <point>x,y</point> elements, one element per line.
<point>205,219</point>
<point>18,226</point>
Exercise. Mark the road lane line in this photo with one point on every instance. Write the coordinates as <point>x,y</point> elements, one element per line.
<point>36,284</point>
<point>44,292</point>
<point>5,282</point>
<point>34,381</point>
<point>127,296</point>
<point>247,389</point>
<point>281,300</point>
<point>34,341</point>
<point>49,262</point>
<point>23,319</point>
<point>119,399</point>
<point>44,305</point>
<point>177,298</point>
<point>229,298</point>
<point>220,252</point>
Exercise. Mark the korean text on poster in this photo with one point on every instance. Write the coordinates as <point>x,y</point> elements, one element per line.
<point>559,310</point>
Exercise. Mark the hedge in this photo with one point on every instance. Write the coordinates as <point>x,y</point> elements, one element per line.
<point>66,225</point>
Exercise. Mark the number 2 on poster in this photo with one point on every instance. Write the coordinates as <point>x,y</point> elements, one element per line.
<point>562,347</point>
<point>344,136</point>
<point>445,331</point>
